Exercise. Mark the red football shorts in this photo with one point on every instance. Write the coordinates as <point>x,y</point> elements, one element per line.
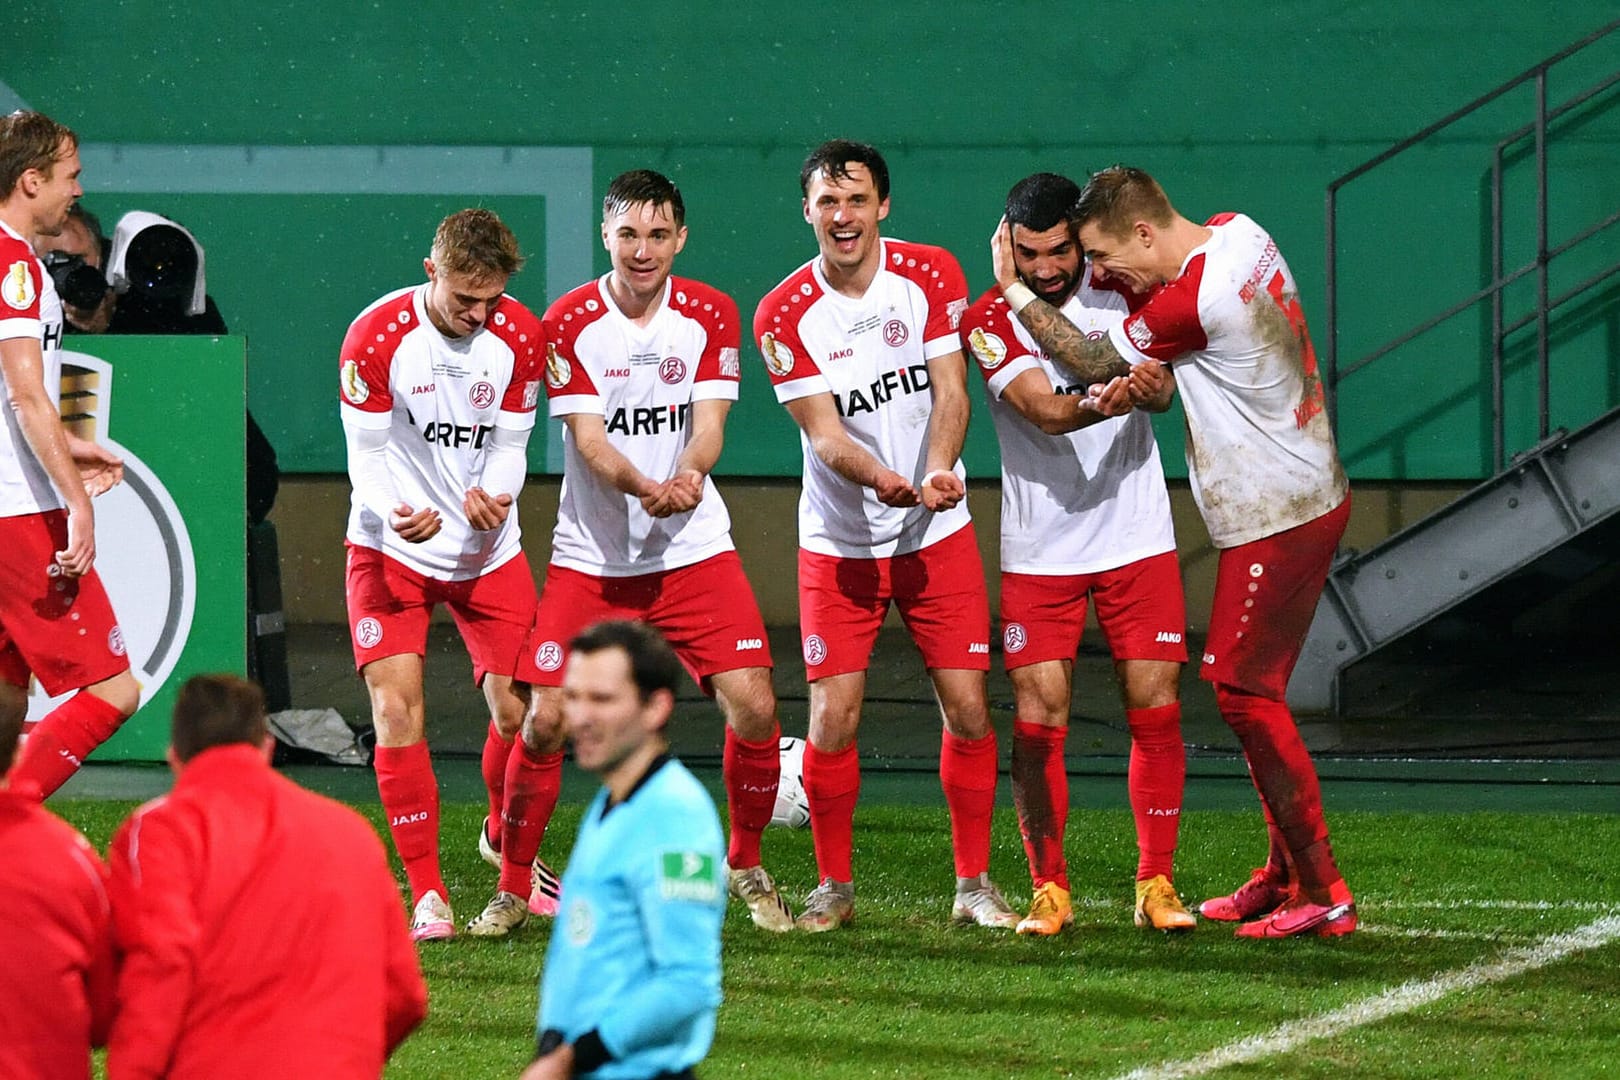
<point>390,604</point>
<point>707,612</point>
<point>60,629</point>
<point>1140,607</point>
<point>939,590</point>
<point>1265,598</point>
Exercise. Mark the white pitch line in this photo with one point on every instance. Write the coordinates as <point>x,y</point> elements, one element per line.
<point>1490,905</point>
<point>1401,999</point>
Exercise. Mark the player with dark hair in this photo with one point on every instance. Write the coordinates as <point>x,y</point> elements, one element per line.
<point>642,367</point>
<point>861,345</point>
<point>56,949</point>
<point>56,622</point>
<point>632,978</point>
<point>259,924</point>
<point>1225,312</point>
<point>1084,516</point>
<point>439,384</point>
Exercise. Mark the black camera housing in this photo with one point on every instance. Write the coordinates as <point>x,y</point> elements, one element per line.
<point>78,283</point>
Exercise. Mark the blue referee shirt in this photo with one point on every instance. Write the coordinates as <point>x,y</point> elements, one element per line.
<point>635,951</point>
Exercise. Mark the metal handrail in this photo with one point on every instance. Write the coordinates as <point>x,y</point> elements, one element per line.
<point>1333,375</point>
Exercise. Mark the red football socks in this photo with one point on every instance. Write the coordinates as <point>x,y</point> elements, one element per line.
<point>1040,782</point>
<point>752,772</point>
<point>832,784</point>
<point>1286,779</point>
<point>1156,777</point>
<point>967,772</point>
<point>533,782</point>
<point>493,765</point>
<point>62,740</point>
<point>410,799</point>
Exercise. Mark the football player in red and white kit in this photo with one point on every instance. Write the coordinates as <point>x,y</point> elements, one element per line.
<point>1225,311</point>
<point>861,345</point>
<point>55,620</point>
<point>642,368</point>
<point>1084,514</point>
<point>439,384</point>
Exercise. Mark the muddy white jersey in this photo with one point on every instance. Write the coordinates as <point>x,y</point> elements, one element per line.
<point>1260,452</point>
<point>642,381</point>
<point>1084,501</point>
<point>29,308</point>
<point>871,354</point>
<point>439,398</point>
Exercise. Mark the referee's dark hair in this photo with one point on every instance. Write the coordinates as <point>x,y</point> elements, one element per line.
<point>653,664</point>
<point>216,710</point>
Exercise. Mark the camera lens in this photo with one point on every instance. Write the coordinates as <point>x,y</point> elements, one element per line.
<point>79,284</point>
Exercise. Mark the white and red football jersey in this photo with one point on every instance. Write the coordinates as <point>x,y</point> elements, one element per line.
<point>1259,449</point>
<point>29,308</point>
<point>871,354</point>
<point>439,398</point>
<point>1082,502</point>
<point>642,381</point>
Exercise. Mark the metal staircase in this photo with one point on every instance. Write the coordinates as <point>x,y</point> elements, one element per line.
<point>1537,501</point>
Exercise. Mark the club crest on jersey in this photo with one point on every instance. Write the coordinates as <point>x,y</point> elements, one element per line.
<point>815,649</point>
<point>558,369</point>
<point>367,632</point>
<point>778,357</point>
<point>1014,637</point>
<point>355,390</point>
<point>730,363</point>
<point>115,641</point>
<point>19,288</point>
<point>895,333</point>
<point>549,656</point>
<point>988,349</point>
<point>672,370</point>
<point>482,394</point>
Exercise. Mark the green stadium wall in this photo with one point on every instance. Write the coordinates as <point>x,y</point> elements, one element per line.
<point>312,147</point>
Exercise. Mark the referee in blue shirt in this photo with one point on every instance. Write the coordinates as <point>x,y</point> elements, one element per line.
<point>632,976</point>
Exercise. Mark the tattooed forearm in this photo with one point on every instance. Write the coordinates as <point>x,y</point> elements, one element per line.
<point>1093,361</point>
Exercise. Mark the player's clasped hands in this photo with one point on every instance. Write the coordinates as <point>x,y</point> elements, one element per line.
<point>942,489</point>
<point>415,526</point>
<point>1148,382</point>
<point>485,511</point>
<point>895,490</point>
<point>677,495</point>
<point>1113,398</point>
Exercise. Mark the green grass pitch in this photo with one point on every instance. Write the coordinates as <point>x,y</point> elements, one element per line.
<point>902,994</point>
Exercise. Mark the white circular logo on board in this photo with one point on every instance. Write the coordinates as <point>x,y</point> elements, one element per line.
<point>150,573</point>
<point>815,650</point>
<point>1013,637</point>
<point>367,632</point>
<point>549,656</point>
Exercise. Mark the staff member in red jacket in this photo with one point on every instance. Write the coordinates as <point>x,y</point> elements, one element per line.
<point>56,959</point>
<point>260,926</point>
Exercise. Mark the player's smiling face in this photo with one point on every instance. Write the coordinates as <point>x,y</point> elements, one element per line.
<point>56,191</point>
<point>605,717</point>
<point>844,211</point>
<point>459,304</point>
<point>1132,258</point>
<point>1048,261</point>
<point>642,240</point>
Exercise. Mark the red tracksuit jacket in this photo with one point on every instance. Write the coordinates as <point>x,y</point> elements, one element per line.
<point>56,958</point>
<point>261,933</point>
